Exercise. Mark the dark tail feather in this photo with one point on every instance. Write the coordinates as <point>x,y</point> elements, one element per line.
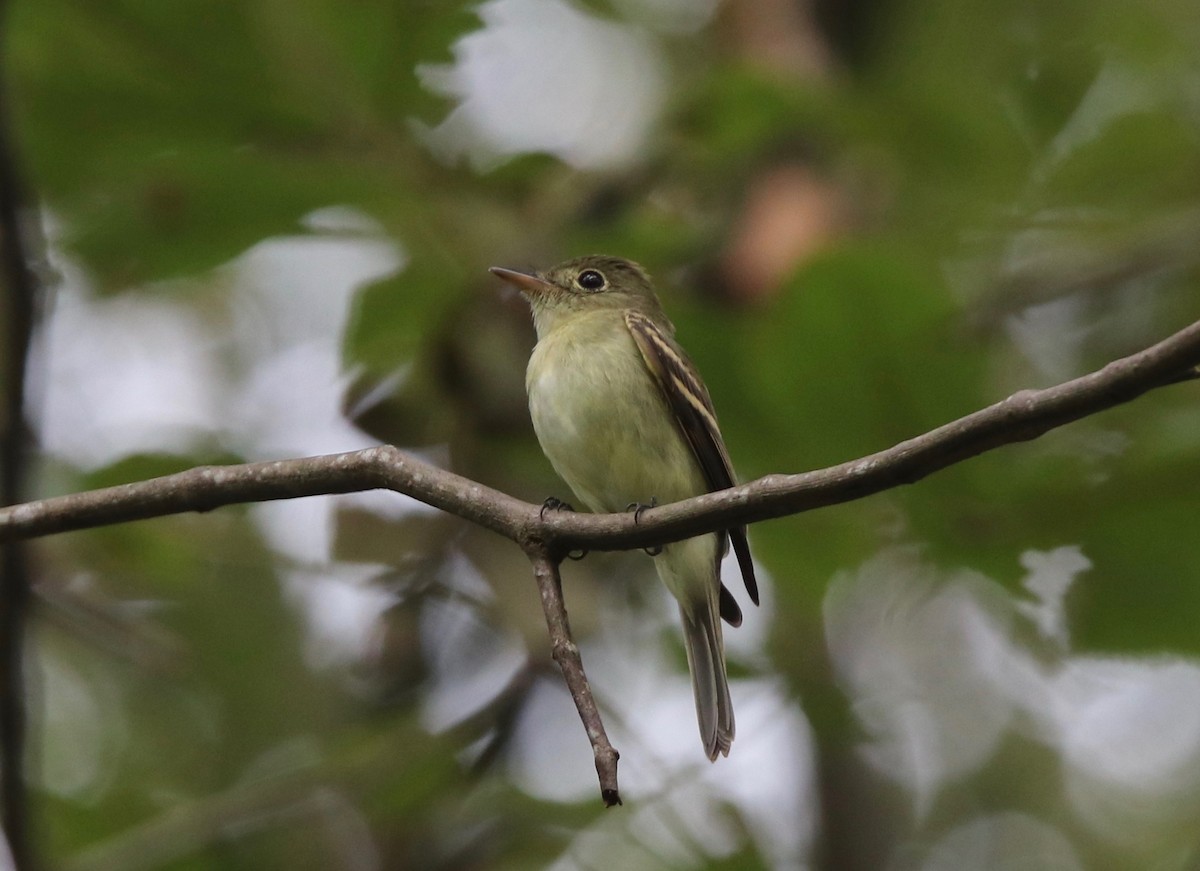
<point>730,612</point>
<point>706,660</point>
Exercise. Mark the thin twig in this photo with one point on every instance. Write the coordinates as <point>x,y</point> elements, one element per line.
<point>566,654</point>
<point>208,487</point>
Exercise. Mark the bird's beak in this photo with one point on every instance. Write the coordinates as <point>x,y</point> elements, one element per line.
<point>530,285</point>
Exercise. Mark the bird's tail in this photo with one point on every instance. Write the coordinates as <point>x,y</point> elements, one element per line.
<point>706,660</point>
<point>689,570</point>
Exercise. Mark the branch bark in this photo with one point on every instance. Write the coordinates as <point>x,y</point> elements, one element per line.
<point>20,295</point>
<point>1024,416</point>
<point>566,654</point>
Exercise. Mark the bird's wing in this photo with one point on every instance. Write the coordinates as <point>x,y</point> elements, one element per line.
<point>688,400</point>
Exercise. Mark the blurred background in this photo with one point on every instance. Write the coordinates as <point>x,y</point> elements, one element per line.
<point>266,233</point>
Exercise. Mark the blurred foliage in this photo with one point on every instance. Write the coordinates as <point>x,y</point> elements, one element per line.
<point>1011,198</point>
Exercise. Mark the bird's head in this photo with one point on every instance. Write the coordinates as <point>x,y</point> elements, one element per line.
<point>584,284</point>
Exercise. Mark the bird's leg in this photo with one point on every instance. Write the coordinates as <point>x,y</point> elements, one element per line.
<point>637,508</point>
<point>553,503</point>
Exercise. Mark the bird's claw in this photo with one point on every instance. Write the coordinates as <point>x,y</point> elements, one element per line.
<point>637,508</point>
<point>553,503</point>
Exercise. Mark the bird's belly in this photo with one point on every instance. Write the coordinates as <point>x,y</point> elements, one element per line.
<point>607,430</point>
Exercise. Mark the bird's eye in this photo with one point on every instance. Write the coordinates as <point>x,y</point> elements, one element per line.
<point>590,279</point>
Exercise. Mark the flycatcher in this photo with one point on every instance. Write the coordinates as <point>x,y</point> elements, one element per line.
<point>625,420</point>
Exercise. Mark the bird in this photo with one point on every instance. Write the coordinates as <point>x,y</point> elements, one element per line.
<point>624,418</point>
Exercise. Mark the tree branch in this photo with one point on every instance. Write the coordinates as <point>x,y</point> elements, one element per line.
<point>208,487</point>
<point>566,654</point>
<point>1025,415</point>
<point>21,293</point>
<point>1021,417</point>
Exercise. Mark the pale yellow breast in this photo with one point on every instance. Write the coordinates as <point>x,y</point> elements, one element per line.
<point>601,419</point>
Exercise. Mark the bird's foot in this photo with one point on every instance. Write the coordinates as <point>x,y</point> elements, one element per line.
<point>553,503</point>
<point>637,508</point>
